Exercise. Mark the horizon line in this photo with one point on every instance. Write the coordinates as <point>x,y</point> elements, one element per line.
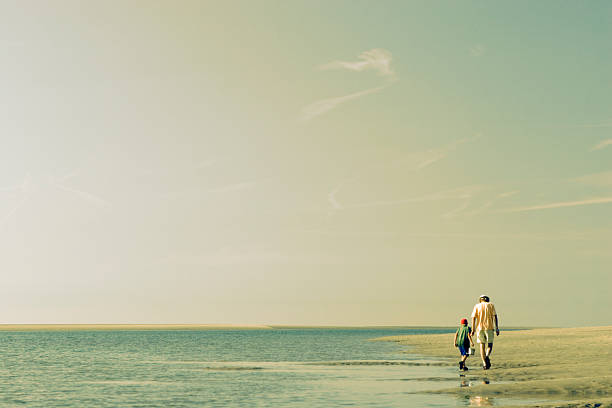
<point>203,326</point>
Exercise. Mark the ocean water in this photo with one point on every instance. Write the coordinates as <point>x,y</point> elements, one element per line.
<point>219,368</point>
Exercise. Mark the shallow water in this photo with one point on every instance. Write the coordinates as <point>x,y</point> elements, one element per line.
<point>218,368</point>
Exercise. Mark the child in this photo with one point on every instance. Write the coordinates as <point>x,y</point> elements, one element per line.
<point>463,341</point>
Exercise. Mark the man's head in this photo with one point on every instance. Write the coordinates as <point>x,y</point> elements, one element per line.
<point>484,298</point>
<point>463,321</point>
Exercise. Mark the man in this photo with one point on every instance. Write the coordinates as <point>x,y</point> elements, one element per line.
<point>484,320</point>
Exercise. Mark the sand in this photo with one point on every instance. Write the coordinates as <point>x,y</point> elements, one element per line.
<point>556,367</point>
<point>67,327</point>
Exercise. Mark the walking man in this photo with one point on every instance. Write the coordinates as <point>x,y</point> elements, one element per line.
<point>484,321</point>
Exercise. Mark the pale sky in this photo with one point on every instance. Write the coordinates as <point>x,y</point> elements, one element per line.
<point>305,162</point>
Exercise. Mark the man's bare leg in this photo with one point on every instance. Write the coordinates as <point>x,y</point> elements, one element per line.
<point>487,360</point>
<point>483,354</point>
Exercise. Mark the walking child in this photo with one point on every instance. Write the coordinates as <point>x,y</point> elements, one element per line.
<point>463,341</point>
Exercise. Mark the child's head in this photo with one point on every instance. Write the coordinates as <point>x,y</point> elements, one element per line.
<point>464,321</point>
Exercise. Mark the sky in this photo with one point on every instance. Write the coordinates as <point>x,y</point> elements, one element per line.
<point>305,162</point>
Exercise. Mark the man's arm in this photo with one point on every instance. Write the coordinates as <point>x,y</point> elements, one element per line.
<point>496,325</point>
<point>455,341</point>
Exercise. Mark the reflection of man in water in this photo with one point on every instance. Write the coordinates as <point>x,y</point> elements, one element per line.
<point>484,320</point>
<point>478,401</point>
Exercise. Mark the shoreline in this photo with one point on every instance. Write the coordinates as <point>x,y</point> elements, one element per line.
<point>571,367</point>
<point>133,327</point>
<point>189,326</point>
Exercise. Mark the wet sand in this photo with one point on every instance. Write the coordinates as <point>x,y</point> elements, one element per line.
<point>67,327</point>
<point>560,367</point>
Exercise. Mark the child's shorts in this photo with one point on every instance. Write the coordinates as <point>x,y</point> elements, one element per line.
<point>465,351</point>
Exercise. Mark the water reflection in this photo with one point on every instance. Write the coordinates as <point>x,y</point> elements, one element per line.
<point>478,401</point>
<point>468,383</point>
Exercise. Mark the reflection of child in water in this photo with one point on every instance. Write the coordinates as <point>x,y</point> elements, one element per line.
<point>463,341</point>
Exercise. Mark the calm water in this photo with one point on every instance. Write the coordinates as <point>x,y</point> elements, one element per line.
<point>217,368</point>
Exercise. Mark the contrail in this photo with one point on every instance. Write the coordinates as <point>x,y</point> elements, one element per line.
<point>14,210</point>
<point>84,195</point>
<point>602,200</point>
<point>325,105</point>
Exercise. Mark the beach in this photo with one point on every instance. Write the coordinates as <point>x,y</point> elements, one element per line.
<point>570,367</point>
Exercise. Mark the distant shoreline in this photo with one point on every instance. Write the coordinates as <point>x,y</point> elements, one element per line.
<point>119,326</point>
<point>87,327</point>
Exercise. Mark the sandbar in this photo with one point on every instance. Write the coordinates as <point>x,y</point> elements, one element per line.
<point>570,367</point>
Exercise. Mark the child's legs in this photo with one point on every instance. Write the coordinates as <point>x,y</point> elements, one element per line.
<point>464,353</point>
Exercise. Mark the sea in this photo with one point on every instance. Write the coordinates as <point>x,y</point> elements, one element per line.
<point>279,367</point>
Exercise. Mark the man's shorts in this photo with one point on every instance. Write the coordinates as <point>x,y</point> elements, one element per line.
<point>485,336</point>
<point>463,350</point>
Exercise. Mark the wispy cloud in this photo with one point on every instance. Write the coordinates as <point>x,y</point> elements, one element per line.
<point>603,124</point>
<point>488,204</point>
<point>30,188</point>
<point>13,210</point>
<point>479,210</point>
<point>332,199</point>
<point>59,183</point>
<point>241,256</point>
<point>456,211</point>
<point>326,105</point>
<point>245,185</point>
<point>433,155</point>
<point>453,194</point>
<point>601,145</point>
<point>25,186</point>
<point>603,179</point>
<point>563,204</point>
<point>412,162</point>
<point>184,169</point>
<point>508,193</point>
<point>23,193</point>
<point>100,202</point>
<point>228,257</point>
<point>478,50</point>
<point>526,236</point>
<point>377,59</point>
<point>430,157</point>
